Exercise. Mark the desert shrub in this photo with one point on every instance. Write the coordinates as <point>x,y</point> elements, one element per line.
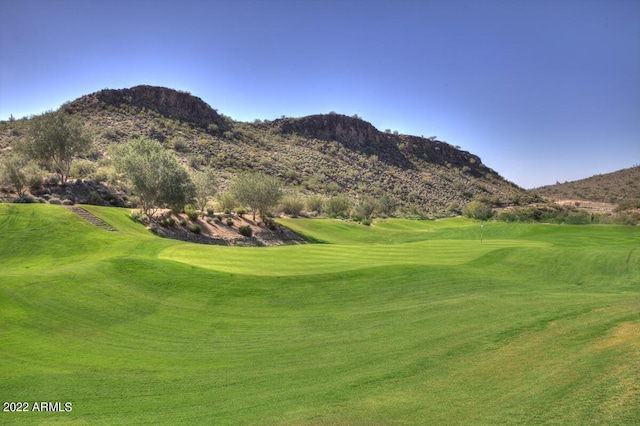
<point>34,176</point>
<point>338,206</point>
<point>315,204</point>
<point>477,210</point>
<point>180,145</point>
<point>632,218</point>
<point>229,221</point>
<point>240,211</point>
<point>104,174</point>
<point>95,199</point>
<point>195,228</point>
<point>627,205</point>
<point>191,212</point>
<point>55,201</point>
<point>25,199</point>
<point>508,216</point>
<point>245,230</point>
<point>227,202</point>
<point>577,218</point>
<point>366,207</point>
<point>454,208</point>
<point>82,168</point>
<point>168,222</point>
<point>138,217</point>
<point>357,217</point>
<point>217,220</point>
<point>269,223</point>
<point>292,205</point>
<point>50,181</point>
<point>386,205</point>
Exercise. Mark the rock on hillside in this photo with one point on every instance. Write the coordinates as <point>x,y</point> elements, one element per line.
<point>168,102</point>
<point>398,150</point>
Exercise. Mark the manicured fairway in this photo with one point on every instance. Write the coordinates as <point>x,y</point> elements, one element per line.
<point>403,322</point>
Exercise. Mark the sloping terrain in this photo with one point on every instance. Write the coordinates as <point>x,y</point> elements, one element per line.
<point>400,322</point>
<point>613,188</point>
<point>326,154</point>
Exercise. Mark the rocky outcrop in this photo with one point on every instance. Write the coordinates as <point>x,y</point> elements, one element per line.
<point>437,152</point>
<point>354,133</point>
<point>361,136</point>
<point>167,102</point>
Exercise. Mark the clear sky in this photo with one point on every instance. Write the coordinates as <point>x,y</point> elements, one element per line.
<point>541,90</point>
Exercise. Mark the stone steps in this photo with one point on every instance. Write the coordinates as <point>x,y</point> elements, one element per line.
<point>91,218</point>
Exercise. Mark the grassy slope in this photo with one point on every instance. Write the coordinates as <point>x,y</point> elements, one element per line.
<point>403,322</point>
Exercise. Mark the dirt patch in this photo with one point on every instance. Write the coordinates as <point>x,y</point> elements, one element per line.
<point>223,230</point>
<point>589,206</point>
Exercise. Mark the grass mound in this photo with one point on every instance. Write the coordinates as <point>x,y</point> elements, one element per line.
<point>400,322</point>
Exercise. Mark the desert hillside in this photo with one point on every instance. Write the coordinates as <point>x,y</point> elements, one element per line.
<point>324,154</point>
<point>613,188</point>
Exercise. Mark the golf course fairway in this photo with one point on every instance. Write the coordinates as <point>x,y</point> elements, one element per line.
<point>402,322</point>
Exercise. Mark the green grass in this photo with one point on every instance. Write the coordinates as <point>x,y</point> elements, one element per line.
<point>403,322</point>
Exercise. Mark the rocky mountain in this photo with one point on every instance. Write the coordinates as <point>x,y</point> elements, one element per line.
<point>325,154</point>
<point>616,187</point>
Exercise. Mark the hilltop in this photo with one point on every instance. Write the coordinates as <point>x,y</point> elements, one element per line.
<point>622,186</point>
<point>324,154</point>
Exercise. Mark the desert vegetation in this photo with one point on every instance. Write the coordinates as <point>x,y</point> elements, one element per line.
<point>621,187</point>
<point>416,177</point>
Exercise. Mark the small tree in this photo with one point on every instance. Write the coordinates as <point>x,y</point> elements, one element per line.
<point>205,188</point>
<point>54,140</point>
<point>12,172</point>
<point>155,175</point>
<point>477,210</point>
<point>259,191</point>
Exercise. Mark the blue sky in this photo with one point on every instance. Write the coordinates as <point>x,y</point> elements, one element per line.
<point>542,91</point>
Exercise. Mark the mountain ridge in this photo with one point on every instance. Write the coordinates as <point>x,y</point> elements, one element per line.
<point>325,154</point>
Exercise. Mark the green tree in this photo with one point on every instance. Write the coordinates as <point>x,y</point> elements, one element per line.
<point>156,176</point>
<point>205,187</point>
<point>54,139</point>
<point>259,191</point>
<point>12,172</point>
<point>477,210</point>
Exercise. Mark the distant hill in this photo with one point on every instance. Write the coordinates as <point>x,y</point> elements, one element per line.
<point>615,188</point>
<point>324,154</point>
